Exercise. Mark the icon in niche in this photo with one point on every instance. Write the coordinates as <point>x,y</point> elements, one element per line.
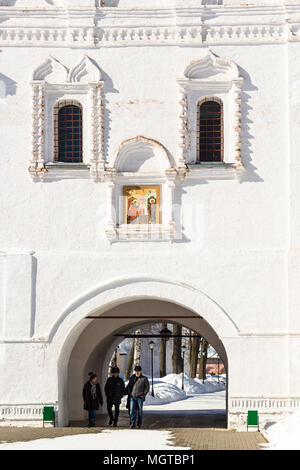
<point>142,204</point>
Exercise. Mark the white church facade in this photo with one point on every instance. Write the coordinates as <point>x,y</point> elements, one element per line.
<point>149,168</point>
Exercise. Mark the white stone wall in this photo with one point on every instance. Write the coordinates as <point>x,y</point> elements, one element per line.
<point>238,230</point>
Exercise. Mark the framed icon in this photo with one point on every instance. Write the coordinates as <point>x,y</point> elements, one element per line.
<point>142,204</point>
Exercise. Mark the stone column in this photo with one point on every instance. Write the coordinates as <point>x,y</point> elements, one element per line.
<point>96,131</point>
<point>111,205</point>
<point>171,177</point>
<point>236,88</point>
<point>40,126</point>
<point>37,160</point>
<point>183,130</point>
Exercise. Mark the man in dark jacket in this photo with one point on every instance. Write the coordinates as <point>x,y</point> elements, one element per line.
<point>137,389</point>
<point>114,390</point>
<point>92,398</point>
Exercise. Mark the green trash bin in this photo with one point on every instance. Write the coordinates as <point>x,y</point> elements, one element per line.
<point>252,419</point>
<point>48,415</point>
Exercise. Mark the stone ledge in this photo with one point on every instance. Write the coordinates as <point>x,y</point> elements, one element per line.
<point>198,165</point>
<point>130,233</point>
<point>215,171</point>
<point>69,166</point>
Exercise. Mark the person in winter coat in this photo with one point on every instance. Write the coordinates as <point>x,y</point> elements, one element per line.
<point>114,391</point>
<point>137,389</point>
<point>92,398</point>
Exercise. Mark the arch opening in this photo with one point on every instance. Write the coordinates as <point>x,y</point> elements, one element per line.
<point>94,343</point>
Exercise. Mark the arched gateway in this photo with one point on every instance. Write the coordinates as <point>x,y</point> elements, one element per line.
<point>85,331</point>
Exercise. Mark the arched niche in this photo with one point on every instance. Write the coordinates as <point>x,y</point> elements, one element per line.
<point>142,164</point>
<point>141,154</point>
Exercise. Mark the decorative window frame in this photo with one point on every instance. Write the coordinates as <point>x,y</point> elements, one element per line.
<point>121,174</point>
<point>52,83</point>
<point>207,78</point>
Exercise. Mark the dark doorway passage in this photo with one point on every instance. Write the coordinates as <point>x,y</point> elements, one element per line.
<point>167,420</point>
<point>192,401</point>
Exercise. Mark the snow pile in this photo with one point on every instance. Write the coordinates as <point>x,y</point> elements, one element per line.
<point>168,389</point>
<point>106,440</point>
<point>196,386</point>
<point>285,435</point>
<point>163,393</point>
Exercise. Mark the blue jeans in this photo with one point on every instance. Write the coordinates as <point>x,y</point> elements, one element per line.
<point>92,416</point>
<point>136,408</point>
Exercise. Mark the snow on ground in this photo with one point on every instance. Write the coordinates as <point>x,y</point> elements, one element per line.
<point>196,397</point>
<point>168,389</point>
<point>284,435</point>
<point>214,402</point>
<point>195,386</point>
<point>106,440</point>
<point>164,393</point>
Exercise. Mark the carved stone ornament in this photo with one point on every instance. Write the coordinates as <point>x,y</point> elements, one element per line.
<point>217,77</point>
<point>51,80</point>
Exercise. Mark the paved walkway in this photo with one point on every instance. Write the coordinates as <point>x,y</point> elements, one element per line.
<point>216,439</point>
<point>16,434</point>
<point>202,430</point>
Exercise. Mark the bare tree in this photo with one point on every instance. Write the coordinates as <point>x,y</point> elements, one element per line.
<point>137,349</point>
<point>203,359</point>
<point>195,345</point>
<point>113,361</point>
<point>162,356</point>
<point>134,357</point>
<point>176,357</point>
<point>129,365</point>
<point>190,340</point>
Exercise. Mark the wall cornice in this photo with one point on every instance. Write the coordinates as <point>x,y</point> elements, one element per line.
<point>97,27</point>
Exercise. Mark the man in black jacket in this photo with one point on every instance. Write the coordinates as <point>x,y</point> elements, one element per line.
<point>137,389</point>
<point>92,398</point>
<point>114,391</point>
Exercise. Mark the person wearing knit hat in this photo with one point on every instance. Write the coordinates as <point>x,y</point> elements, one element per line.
<point>92,397</point>
<point>114,391</point>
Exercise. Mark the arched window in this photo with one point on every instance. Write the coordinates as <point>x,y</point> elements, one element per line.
<point>210,130</point>
<point>68,132</point>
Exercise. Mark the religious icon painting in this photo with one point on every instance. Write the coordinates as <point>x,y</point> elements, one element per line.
<point>142,204</point>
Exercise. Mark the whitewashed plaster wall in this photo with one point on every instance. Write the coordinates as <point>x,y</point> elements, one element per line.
<point>237,226</point>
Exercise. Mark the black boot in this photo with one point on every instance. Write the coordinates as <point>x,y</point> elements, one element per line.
<point>115,424</point>
<point>110,422</point>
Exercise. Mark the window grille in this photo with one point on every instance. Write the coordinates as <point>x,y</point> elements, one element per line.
<point>210,131</point>
<point>68,132</point>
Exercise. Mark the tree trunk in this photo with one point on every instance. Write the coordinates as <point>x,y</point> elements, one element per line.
<point>129,363</point>
<point>176,357</point>
<point>194,356</point>
<point>137,349</point>
<point>113,361</point>
<point>162,356</point>
<point>203,359</point>
<point>190,340</point>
